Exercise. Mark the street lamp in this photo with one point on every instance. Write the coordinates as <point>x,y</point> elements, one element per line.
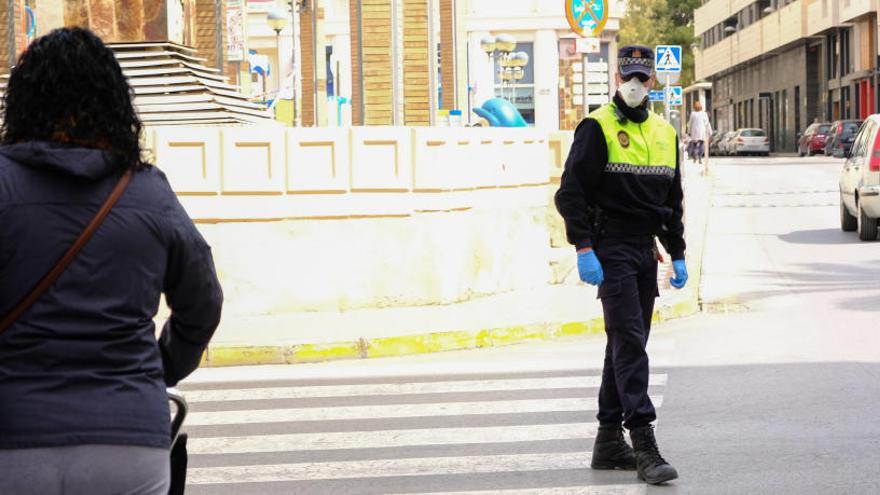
<point>510,63</point>
<point>278,22</point>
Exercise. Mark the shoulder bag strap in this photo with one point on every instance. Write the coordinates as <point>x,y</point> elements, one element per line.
<point>69,256</point>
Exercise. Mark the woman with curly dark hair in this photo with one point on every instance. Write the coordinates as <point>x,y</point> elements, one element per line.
<point>83,407</point>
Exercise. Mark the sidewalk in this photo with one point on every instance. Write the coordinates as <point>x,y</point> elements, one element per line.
<point>541,314</point>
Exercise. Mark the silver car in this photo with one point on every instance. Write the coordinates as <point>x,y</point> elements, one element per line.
<point>860,183</point>
<point>749,142</point>
<point>724,143</point>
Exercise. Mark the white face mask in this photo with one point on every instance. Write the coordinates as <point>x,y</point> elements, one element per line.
<point>633,92</point>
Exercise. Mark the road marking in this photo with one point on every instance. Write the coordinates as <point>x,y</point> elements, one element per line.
<point>633,489</point>
<point>778,193</point>
<point>395,411</point>
<point>432,466</point>
<point>389,438</point>
<point>771,205</point>
<point>328,391</point>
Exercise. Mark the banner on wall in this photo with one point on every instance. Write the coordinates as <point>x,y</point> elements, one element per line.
<point>235,26</point>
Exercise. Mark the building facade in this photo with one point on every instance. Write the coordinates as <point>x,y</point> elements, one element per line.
<point>401,62</point>
<point>783,64</point>
<point>565,78</point>
<point>361,62</point>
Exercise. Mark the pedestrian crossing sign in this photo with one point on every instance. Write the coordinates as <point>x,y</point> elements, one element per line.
<point>667,58</point>
<point>675,95</point>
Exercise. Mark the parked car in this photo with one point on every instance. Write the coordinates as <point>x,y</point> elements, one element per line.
<point>749,141</point>
<point>714,141</point>
<point>724,143</point>
<point>812,141</point>
<point>840,137</point>
<point>860,183</point>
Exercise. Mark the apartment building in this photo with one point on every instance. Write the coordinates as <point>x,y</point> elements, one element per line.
<point>781,64</point>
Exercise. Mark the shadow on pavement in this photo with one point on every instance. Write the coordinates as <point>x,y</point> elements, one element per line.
<point>815,278</point>
<point>820,237</point>
<point>772,429</point>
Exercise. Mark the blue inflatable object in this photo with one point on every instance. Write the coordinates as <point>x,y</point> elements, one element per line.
<point>488,116</point>
<point>503,112</point>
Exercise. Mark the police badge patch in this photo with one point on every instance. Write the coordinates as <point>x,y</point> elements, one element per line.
<point>623,139</point>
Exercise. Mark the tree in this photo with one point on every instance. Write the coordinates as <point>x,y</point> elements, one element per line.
<point>662,22</point>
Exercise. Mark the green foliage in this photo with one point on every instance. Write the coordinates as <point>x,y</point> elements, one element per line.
<point>662,22</point>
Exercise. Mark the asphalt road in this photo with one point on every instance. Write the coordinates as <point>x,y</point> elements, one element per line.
<point>774,390</point>
<point>777,392</point>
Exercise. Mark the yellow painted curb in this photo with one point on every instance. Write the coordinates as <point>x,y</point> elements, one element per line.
<point>310,353</point>
<point>219,356</point>
<point>237,356</point>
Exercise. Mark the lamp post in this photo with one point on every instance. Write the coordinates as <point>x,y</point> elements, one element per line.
<point>278,22</point>
<point>510,64</point>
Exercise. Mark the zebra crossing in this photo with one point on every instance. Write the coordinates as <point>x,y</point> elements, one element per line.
<point>512,432</point>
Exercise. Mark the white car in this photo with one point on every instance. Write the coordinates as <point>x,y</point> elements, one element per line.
<point>749,141</point>
<point>860,183</point>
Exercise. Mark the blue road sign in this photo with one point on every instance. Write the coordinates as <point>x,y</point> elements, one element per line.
<point>656,95</point>
<point>675,96</point>
<point>667,58</point>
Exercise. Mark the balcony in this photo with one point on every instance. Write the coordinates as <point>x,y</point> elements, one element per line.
<point>822,16</point>
<point>854,9</point>
<point>750,43</point>
<point>776,29</point>
<point>709,15</point>
<point>715,59</point>
<point>791,20</point>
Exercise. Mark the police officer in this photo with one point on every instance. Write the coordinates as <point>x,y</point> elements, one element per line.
<point>622,188</point>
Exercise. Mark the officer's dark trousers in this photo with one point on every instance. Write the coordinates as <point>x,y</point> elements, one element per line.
<point>628,294</point>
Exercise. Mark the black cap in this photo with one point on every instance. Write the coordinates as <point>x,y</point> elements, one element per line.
<point>635,59</point>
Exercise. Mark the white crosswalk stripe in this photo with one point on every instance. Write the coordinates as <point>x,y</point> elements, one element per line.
<point>396,467</point>
<point>389,438</point>
<point>400,434</point>
<point>395,411</point>
<point>400,388</point>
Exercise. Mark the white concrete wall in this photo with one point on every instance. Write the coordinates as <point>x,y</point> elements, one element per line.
<point>340,219</point>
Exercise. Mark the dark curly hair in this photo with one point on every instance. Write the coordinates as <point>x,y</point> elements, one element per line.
<point>68,88</point>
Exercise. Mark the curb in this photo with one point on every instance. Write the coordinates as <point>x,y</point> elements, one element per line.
<point>428,343</point>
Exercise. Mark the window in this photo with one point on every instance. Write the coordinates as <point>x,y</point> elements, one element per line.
<point>850,128</point>
<point>860,146</point>
<point>331,82</point>
<point>753,133</point>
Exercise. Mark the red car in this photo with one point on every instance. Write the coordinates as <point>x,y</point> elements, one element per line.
<point>812,141</point>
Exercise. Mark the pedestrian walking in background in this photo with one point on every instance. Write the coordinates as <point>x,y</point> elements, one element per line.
<point>83,404</point>
<point>622,187</point>
<point>700,130</point>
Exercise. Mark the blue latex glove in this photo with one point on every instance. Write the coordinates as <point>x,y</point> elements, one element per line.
<point>681,274</point>
<point>589,268</point>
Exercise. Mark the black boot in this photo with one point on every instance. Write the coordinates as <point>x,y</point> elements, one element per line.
<point>610,451</point>
<point>651,466</point>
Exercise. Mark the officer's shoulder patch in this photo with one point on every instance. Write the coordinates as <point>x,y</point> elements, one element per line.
<point>623,139</point>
